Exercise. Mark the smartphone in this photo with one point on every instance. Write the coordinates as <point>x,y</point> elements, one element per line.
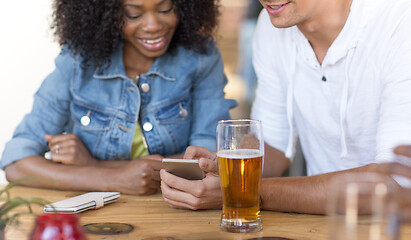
<point>185,168</point>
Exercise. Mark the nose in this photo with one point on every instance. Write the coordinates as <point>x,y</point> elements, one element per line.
<point>151,23</point>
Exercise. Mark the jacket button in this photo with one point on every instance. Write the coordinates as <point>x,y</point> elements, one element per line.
<point>145,87</point>
<point>183,113</point>
<point>85,120</point>
<point>147,127</point>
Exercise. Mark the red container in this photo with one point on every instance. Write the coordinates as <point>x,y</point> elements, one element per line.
<point>57,226</point>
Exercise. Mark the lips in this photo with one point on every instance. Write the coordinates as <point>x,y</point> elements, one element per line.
<point>276,9</point>
<point>153,43</point>
<point>276,6</point>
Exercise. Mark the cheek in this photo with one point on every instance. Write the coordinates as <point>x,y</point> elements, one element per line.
<point>129,29</point>
<point>173,21</point>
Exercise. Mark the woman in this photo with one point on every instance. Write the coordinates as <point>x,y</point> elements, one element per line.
<point>135,79</point>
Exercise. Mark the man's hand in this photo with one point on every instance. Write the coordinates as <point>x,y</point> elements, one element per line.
<point>139,177</point>
<point>395,168</point>
<point>194,194</point>
<point>69,149</point>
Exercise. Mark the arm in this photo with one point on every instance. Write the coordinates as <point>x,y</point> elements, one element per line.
<point>208,102</point>
<point>134,177</point>
<point>81,171</point>
<point>275,162</point>
<point>394,123</point>
<point>300,194</point>
<point>69,149</point>
<point>22,156</point>
<point>297,194</point>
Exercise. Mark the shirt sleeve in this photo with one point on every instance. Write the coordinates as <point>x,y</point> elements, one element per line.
<point>209,103</point>
<point>394,127</point>
<point>49,115</point>
<point>270,105</point>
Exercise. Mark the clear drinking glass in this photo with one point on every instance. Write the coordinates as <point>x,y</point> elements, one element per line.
<point>363,206</point>
<point>240,151</point>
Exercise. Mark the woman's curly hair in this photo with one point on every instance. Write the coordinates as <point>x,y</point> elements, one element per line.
<point>93,28</point>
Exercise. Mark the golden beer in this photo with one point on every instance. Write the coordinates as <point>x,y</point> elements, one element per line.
<point>240,175</point>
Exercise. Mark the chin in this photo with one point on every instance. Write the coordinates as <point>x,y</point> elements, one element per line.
<point>281,24</point>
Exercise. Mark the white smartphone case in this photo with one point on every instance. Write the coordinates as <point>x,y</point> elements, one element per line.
<point>81,203</point>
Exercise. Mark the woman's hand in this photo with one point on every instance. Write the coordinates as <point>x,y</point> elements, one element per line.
<point>69,149</point>
<point>140,176</point>
<point>194,194</point>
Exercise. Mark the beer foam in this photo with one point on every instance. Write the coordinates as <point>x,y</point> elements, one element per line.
<point>239,153</point>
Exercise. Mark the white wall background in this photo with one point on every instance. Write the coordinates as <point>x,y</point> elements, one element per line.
<point>27,52</point>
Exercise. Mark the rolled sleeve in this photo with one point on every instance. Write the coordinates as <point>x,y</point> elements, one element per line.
<point>19,148</point>
<point>394,127</point>
<point>49,114</point>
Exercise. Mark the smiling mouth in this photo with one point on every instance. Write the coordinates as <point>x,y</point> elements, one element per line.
<point>153,41</point>
<point>277,6</point>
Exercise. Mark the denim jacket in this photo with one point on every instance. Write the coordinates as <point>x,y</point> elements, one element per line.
<point>178,103</point>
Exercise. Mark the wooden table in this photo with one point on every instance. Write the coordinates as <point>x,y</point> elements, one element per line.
<point>153,219</point>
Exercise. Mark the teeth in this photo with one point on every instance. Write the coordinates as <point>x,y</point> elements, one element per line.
<point>277,6</point>
<point>153,41</point>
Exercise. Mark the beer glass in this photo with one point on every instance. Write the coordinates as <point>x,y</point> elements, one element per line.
<point>240,150</point>
<point>363,206</point>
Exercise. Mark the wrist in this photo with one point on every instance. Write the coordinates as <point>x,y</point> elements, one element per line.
<point>108,179</point>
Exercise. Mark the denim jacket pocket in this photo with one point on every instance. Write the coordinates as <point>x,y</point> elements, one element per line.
<point>91,125</point>
<point>174,119</point>
<point>174,110</point>
<point>89,117</point>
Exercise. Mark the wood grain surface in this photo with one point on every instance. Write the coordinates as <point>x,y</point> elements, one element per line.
<point>153,219</point>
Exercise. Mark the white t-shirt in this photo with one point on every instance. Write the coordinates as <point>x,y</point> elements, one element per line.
<point>362,110</point>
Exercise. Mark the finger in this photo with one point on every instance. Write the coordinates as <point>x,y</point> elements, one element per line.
<point>176,198</point>
<point>180,205</point>
<point>56,139</point>
<point>62,158</point>
<point>155,161</point>
<point>156,165</point>
<point>55,149</point>
<point>154,184</point>
<point>152,187</point>
<point>179,183</point>
<point>394,168</point>
<point>208,165</point>
<point>194,152</point>
<point>404,150</point>
<point>48,137</point>
<point>156,176</point>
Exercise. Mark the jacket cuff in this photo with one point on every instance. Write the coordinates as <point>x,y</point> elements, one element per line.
<point>19,148</point>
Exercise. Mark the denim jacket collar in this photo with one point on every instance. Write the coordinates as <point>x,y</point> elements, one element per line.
<point>164,66</point>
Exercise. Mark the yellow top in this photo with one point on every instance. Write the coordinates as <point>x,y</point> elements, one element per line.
<point>138,147</point>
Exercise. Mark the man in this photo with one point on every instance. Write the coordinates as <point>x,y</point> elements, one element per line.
<point>335,73</point>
